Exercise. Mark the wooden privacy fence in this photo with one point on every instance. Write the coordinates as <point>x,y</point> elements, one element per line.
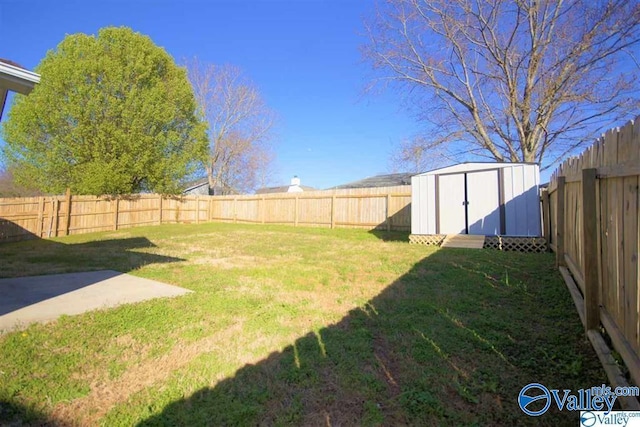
<point>591,214</point>
<point>42,217</point>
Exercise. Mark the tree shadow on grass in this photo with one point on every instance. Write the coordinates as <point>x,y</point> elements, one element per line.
<point>14,414</point>
<point>40,256</point>
<point>451,342</point>
<point>45,260</point>
<point>391,236</point>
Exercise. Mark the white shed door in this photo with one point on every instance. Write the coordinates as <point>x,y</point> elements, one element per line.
<point>483,208</point>
<point>451,204</point>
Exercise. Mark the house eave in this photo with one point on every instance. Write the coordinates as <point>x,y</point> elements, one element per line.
<point>17,79</point>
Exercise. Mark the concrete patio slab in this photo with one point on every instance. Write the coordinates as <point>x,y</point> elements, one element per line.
<point>25,300</point>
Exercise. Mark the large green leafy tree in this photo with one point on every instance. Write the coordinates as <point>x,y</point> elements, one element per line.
<point>113,114</point>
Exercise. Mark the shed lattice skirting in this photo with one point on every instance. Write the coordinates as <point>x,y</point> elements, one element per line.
<point>427,239</point>
<point>503,243</point>
<point>519,244</point>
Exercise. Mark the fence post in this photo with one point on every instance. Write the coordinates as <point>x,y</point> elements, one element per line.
<point>295,214</point>
<point>210,210</point>
<point>160,209</point>
<point>546,219</point>
<point>388,212</point>
<point>67,221</point>
<point>560,223</point>
<point>333,211</point>
<point>261,209</point>
<point>40,217</point>
<point>590,249</point>
<point>116,213</point>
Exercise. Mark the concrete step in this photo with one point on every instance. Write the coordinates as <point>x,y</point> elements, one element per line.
<point>463,241</point>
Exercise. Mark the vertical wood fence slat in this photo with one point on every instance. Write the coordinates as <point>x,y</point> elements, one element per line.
<point>197,209</point>
<point>51,217</point>
<point>67,221</point>
<point>611,255</point>
<point>546,212</point>
<point>333,211</point>
<point>116,212</point>
<point>235,210</point>
<point>388,212</point>
<point>56,212</point>
<point>590,249</point>
<point>560,222</point>
<point>40,216</point>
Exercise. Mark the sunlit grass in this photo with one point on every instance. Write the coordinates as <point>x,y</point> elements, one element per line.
<point>295,326</point>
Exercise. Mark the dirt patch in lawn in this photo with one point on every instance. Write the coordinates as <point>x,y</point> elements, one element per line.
<point>228,262</point>
<point>104,395</point>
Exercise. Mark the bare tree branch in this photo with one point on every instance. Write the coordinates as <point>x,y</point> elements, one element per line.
<point>520,80</point>
<point>240,127</point>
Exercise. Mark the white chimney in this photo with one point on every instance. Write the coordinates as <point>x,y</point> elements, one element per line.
<point>295,185</point>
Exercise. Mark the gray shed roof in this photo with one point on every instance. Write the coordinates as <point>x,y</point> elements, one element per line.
<point>472,166</point>
<point>388,180</point>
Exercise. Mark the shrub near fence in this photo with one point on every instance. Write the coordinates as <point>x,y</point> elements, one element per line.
<point>41,217</point>
<point>591,210</point>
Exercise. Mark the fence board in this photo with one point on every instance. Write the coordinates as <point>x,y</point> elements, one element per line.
<point>590,248</point>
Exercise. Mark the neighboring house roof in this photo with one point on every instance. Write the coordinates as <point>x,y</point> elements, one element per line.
<point>195,184</point>
<point>15,78</point>
<point>388,180</point>
<point>190,187</point>
<point>294,187</point>
<point>282,189</point>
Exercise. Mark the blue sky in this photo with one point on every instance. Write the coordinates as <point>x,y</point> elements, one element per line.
<point>303,55</point>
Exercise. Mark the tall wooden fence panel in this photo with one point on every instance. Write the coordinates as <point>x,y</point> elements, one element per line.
<point>382,207</point>
<point>317,211</point>
<point>41,217</point>
<point>593,219</point>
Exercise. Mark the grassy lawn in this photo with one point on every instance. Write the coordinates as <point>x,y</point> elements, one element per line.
<point>295,326</point>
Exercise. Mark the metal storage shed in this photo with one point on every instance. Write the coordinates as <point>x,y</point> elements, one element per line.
<point>477,198</point>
